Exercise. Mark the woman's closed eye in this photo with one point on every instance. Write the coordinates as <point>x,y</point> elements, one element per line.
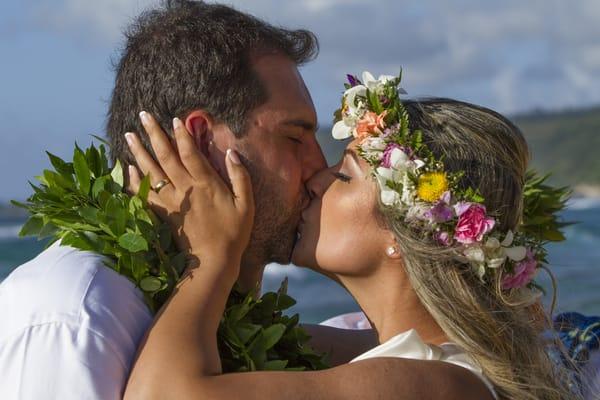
<point>342,177</point>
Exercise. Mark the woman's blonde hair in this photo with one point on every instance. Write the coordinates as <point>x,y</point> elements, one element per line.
<point>501,334</point>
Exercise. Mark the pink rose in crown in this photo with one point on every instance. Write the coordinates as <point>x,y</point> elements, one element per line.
<point>523,273</point>
<point>472,223</point>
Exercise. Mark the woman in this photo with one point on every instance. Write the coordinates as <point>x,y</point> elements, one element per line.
<point>445,287</point>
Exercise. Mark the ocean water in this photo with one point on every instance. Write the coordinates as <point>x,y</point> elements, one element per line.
<point>575,263</point>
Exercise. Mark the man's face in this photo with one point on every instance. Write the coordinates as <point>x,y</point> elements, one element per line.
<point>281,153</point>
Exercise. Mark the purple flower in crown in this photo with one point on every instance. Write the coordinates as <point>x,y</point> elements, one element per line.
<point>353,81</point>
<point>389,130</point>
<point>441,211</point>
<point>443,238</point>
<point>387,154</point>
<point>472,223</point>
<point>389,150</point>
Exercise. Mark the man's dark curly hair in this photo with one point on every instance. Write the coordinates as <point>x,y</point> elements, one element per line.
<point>188,55</point>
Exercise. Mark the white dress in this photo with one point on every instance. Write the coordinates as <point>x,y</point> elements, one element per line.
<point>409,345</point>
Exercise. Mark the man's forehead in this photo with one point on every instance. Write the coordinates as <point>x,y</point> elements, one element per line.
<point>289,101</point>
<point>308,124</point>
<point>281,78</point>
<point>273,113</point>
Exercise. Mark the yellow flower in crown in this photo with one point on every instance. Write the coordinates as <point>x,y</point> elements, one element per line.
<point>431,186</point>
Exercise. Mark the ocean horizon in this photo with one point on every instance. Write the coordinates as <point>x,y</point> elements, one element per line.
<point>575,264</point>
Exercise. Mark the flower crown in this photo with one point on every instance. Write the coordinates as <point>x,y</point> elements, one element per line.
<point>423,193</point>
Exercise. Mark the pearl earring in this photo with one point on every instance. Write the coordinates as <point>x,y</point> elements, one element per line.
<point>391,251</point>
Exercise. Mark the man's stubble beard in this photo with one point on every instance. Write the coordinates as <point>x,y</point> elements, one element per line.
<point>275,222</point>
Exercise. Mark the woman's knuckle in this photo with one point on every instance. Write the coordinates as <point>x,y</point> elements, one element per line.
<point>163,156</point>
<point>186,153</point>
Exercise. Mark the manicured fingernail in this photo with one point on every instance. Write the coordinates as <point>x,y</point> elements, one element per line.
<point>129,138</point>
<point>144,117</point>
<point>177,124</point>
<point>233,156</point>
<point>131,170</point>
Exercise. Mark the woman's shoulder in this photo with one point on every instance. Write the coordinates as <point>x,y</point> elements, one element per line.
<point>396,377</point>
<point>409,345</point>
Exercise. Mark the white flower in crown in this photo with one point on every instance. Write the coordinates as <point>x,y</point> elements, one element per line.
<point>493,253</point>
<point>352,110</point>
<point>375,85</point>
<point>389,196</point>
<point>398,158</point>
<point>476,257</point>
<point>354,106</point>
<point>497,252</point>
<point>408,191</point>
<point>373,147</point>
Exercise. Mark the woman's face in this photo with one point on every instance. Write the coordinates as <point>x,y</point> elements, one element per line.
<point>339,232</point>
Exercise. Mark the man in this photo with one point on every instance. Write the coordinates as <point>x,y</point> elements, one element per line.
<point>70,325</point>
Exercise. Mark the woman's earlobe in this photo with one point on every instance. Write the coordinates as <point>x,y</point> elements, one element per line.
<point>392,251</point>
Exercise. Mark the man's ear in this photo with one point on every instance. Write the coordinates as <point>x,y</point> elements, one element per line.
<point>199,124</point>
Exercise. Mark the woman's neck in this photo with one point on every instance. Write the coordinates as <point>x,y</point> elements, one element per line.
<point>392,306</point>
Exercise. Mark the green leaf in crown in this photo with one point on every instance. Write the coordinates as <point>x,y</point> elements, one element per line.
<point>83,204</point>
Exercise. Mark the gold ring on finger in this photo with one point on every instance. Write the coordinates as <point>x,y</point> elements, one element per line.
<point>161,184</point>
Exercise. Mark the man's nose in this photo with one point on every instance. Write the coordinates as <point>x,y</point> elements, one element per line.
<point>313,161</point>
<point>318,183</point>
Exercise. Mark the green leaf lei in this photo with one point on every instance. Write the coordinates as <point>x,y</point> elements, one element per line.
<point>82,203</point>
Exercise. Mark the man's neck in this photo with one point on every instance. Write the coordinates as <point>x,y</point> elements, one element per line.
<point>251,277</point>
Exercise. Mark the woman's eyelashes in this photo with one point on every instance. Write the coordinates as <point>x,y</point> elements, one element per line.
<point>342,177</point>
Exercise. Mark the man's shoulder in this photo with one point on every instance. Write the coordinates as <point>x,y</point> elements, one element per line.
<point>69,315</point>
<point>69,286</point>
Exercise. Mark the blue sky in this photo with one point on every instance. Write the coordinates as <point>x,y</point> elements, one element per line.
<point>513,56</point>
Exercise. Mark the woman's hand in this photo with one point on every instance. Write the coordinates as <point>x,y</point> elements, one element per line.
<point>208,220</point>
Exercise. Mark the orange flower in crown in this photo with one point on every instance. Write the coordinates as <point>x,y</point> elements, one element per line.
<point>370,124</point>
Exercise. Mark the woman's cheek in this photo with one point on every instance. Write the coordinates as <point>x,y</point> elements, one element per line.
<point>338,256</point>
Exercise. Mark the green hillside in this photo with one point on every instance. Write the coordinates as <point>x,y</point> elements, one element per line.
<point>566,143</point>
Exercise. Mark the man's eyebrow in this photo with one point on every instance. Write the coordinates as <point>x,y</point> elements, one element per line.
<point>302,123</point>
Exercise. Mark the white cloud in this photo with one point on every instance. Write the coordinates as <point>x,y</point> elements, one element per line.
<point>510,55</point>
<point>100,20</point>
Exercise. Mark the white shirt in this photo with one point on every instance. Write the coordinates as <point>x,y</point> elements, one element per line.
<point>69,328</point>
